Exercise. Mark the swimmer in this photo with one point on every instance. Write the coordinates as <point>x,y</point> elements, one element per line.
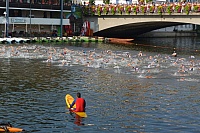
<point>64,62</point>
<point>140,53</point>
<point>50,58</point>
<point>62,55</point>
<point>174,54</point>
<point>182,68</point>
<point>192,57</point>
<point>191,68</point>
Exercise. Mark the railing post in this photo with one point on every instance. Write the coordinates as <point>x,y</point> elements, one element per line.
<point>7,17</point>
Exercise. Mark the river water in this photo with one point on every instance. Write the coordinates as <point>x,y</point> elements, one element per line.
<point>155,92</point>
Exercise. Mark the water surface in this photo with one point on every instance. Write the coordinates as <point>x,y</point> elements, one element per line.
<point>124,92</point>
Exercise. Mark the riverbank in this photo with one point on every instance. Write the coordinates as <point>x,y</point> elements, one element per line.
<point>11,40</point>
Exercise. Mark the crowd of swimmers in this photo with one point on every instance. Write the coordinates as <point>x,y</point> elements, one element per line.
<point>120,61</point>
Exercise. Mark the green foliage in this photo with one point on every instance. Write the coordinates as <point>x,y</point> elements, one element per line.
<point>135,9</point>
<point>128,9</point>
<point>93,10</point>
<point>106,1</point>
<point>106,10</point>
<point>143,9</point>
<point>120,9</point>
<point>113,10</point>
<point>196,8</point>
<point>86,10</point>
<point>152,8</point>
<point>170,9</point>
<point>147,1</point>
<point>160,10</point>
<point>99,10</point>
<point>187,9</point>
<point>92,2</point>
<point>178,8</point>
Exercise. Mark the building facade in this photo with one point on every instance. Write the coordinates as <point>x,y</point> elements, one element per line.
<point>33,17</point>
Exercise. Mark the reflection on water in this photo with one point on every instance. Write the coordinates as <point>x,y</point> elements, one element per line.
<point>124,92</point>
<point>184,45</point>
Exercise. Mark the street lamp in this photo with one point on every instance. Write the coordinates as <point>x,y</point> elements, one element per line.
<point>5,31</point>
<point>30,17</point>
<point>61,18</point>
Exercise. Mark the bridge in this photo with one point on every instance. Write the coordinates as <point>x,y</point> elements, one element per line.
<point>130,26</point>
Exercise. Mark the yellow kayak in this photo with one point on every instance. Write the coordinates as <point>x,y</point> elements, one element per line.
<point>69,99</point>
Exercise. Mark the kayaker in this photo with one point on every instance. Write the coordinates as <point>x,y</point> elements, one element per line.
<point>4,125</point>
<point>80,103</point>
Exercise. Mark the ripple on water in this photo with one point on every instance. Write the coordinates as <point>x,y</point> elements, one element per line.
<point>32,92</point>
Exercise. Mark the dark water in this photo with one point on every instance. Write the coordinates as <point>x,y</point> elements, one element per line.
<point>156,98</point>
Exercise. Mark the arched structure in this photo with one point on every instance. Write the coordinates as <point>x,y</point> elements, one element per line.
<point>130,26</point>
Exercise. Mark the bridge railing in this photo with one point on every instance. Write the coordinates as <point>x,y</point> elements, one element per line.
<point>135,9</point>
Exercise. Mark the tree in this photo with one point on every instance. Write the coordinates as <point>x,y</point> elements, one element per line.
<point>92,2</point>
<point>143,1</point>
<point>106,1</point>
